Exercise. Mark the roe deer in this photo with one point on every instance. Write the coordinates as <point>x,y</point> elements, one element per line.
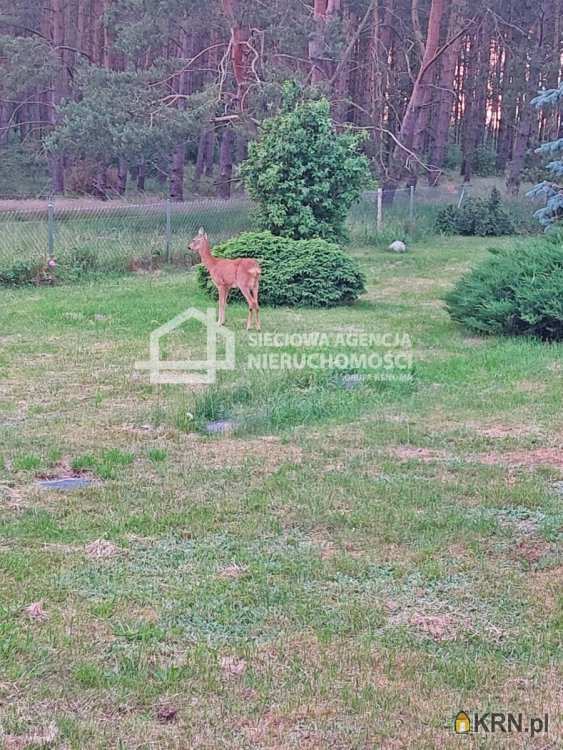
<point>241,273</point>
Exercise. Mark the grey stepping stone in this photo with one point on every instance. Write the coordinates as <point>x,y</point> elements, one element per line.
<point>66,484</point>
<point>221,426</point>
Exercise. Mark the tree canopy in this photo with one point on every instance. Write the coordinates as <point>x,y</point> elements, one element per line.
<point>434,84</point>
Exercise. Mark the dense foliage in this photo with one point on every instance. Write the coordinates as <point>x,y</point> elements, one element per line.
<point>19,272</point>
<point>303,175</point>
<point>307,273</point>
<point>118,114</point>
<point>517,292</point>
<point>552,191</point>
<point>124,84</point>
<point>476,216</point>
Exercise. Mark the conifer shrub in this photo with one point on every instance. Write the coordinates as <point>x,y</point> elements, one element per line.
<point>516,291</point>
<point>477,216</point>
<point>300,273</point>
<point>550,189</point>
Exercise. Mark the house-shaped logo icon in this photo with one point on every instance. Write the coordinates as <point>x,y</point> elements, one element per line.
<point>462,723</point>
<point>190,372</point>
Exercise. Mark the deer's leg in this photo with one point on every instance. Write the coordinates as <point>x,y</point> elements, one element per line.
<point>248,297</point>
<point>223,292</point>
<point>256,307</point>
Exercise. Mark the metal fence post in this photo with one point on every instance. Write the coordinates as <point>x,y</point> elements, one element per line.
<point>379,209</point>
<point>461,197</point>
<point>411,206</point>
<point>168,230</point>
<point>50,229</point>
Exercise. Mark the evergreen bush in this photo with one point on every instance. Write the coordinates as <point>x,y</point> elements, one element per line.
<point>551,189</point>
<point>302,174</point>
<point>518,291</point>
<point>476,217</point>
<point>485,161</point>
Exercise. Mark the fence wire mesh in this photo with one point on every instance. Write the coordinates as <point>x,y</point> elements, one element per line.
<point>109,236</point>
<point>114,236</point>
<point>383,215</point>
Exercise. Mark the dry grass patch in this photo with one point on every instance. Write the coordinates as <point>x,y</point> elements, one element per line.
<point>531,386</point>
<point>500,431</point>
<point>101,549</point>
<point>531,550</point>
<point>529,459</point>
<point>525,458</point>
<point>426,455</point>
<point>266,454</point>
<point>544,587</point>
<point>233,571</point>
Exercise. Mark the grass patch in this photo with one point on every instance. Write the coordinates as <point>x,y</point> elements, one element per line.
<point>357,550</point>
<point>28,462</point>
<point>157,455</point>
<point>105,464</point>
<point>261,405</point>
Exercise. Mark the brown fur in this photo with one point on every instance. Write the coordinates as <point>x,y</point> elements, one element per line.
<point>241,273</point>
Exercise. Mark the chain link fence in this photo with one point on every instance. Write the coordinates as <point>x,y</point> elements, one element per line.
<point>410,213</point>
<point>109,236</point>
<point>116,236</point>
<point>386,215</point>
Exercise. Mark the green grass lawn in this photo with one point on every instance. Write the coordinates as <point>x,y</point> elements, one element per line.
<point>348,569</point>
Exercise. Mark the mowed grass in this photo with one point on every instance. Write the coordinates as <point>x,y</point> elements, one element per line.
<point>348,569</point>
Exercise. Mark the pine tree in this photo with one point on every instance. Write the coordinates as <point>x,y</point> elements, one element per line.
<point>551,190</point>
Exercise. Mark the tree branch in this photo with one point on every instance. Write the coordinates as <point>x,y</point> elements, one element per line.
<point>347,52</point>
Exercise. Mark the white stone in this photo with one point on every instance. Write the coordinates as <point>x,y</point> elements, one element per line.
<point>397,247</point>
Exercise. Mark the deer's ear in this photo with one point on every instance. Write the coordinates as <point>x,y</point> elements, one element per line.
<point>201,232</point>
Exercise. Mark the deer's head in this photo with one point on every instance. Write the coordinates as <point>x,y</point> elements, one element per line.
<point>200,242</point>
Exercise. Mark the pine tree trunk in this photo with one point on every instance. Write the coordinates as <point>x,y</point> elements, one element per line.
<point>82,35</point>
<point>470,115</point>
<point>507,110</point>
<point>446,84</point>
<point>183,89</point>
<point>209,157</point>
<point>417,98</point>
<point>141,170</point>
<point>527,114</point>
<point>226,163</point>
<point>56,161</point>
<point>200,159</point>
<point>317,43</point>
<point>101,183</point>
<point>4,119</point>
<point>122,171</point>
<point>177,173</point>
<point>241,54</point>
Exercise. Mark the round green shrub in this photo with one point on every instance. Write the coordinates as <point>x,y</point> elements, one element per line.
<point>300,273</point>
<point>303,175</point>
<point>518,291</point>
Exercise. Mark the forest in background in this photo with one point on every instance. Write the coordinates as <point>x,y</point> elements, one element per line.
<point>103,96</point>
